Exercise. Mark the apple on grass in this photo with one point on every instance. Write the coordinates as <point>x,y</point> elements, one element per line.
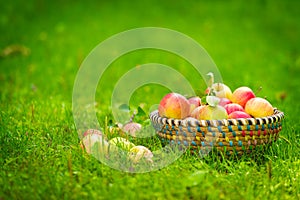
<point>93,136</point>
<point>241,95</point>
<point>120,143</point>
<point>238,114</point>
<point>174,105</point>
<point>259,107</point>
<point>139,152</point>
<point>132,128</point>
<point>233,107</point>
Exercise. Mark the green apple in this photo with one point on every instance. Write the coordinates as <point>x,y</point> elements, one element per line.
<point>212,112</point>
<point>119,142</point>
<point>139,152</point>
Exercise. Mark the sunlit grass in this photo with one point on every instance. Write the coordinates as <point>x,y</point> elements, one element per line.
<point>254,44</point>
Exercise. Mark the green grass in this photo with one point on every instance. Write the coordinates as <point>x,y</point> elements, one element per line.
<point>253,43</point>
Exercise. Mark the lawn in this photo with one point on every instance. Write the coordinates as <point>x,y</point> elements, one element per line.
<point>42,46</point>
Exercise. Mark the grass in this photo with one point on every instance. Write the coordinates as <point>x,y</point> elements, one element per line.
<point>254,44</point>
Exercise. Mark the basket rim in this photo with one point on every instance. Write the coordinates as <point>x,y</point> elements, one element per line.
<point>189,121</point>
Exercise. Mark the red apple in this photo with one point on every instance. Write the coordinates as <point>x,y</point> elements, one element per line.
<point>224,101</point>
<point>132,128</point>
<point>241,95</point>
<point>196,112</point>
<point>233,107</point>
<point>174,105</point>
<point>238,114</point>
<point>259,107</point>
<point>194,102</point>
<point>212,112</point>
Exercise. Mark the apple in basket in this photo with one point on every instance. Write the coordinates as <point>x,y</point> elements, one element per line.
<point>233,107</point>
<point>209,112</point>
<point>224,101</point>
<point>241,95</point>
<point>238,114</point>
<point>174,105</point>
<point>194,102</point>
<point>259,107</point>
<point>196,112</point>
<point>221,90</point>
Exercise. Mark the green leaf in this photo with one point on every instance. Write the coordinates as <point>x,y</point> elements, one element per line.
<point>124,107</point>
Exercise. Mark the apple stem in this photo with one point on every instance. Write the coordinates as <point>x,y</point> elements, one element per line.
<point>258,90</point>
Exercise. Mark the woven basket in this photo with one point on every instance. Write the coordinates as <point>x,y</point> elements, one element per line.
<point>229,136</point>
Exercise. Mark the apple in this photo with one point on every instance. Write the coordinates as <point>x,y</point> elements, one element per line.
<point>120,142</point>
<point>212,112</point>
<point>194,102</point>
<point>139,152</point>
<point>233,107</point>
<point>174,105</point>
<point>241,95</point>
<point>238,114</point>
<point>131,128</point>
<point>220,89</point>
<point>259,107</point>
<point>90,137</point>
<point>196,112</point>
<point>224,101</point>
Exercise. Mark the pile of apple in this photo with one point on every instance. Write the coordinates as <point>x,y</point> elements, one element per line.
<point>110,147</point>
<point>221,103</point>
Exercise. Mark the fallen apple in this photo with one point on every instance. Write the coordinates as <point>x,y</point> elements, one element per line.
<point>259,107</point>
<point>132,128</point>
<point>119,142</point>
<point>174,105</point>
<point>139,152</point>
<point>92,136</point>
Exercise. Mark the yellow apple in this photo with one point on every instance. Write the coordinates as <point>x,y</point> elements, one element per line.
<point>174,105</point>
<point>259,107</point>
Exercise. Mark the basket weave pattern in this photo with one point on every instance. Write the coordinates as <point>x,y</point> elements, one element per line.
<point>229,136</point>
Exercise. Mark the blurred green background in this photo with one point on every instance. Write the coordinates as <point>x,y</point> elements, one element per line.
<point>43,43</point>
